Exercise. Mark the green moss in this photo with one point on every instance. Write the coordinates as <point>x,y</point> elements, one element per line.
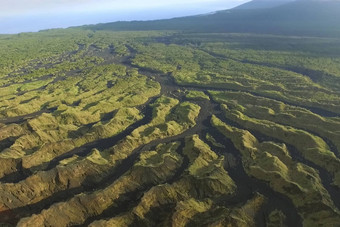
<point>161,153</point>
<point>80,73</point>
<point>276,219</point>
<point>242,216</point>
<point>152,170</point>
<point>196,66</point>
<point>197,95</point>
<point>312,147</point>
<point>207,165</point>
<point>212,140</point>
<point>272,163</point>
<point>186,210</point>
<point>69,160</point>
<point>193,192</point>
<point>124,220</point>
<point>275,111</point>
<point>169,119</point>
<point>97,158</point>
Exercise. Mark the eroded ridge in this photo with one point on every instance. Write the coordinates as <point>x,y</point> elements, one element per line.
<point>162,128</point>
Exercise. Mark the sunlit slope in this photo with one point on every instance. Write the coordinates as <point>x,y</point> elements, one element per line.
<point>168,129</point>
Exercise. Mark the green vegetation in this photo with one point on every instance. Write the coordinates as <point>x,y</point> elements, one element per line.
<point>212,140</point>
<point>276,218</point>
<point>197,67</point>
<point>170,118</point>
<point>312,147</point>
<point>168,128</point>
<point>71,126</point>
<point>204,170</point>
<point>154,167</point>
<point>272,162</point>
<point>279,112</point>
<point>240,216</point>
<point>199,95</point>
<point>207,165</point>
<point>164,110</point>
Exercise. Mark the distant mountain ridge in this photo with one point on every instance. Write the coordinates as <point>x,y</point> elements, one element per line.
<point>262,4</point>
<point>301,17</point>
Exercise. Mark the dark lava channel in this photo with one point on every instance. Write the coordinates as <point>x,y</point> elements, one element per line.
<point>21,119</point>
<point>246,185</point>
<point>326,178</point>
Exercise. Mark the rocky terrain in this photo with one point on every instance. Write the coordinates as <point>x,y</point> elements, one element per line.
<point>166,129</point>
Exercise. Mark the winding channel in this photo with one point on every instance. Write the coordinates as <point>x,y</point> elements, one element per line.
<point>246,184</point>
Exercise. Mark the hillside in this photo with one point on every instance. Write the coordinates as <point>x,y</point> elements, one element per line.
<point>302,17</point>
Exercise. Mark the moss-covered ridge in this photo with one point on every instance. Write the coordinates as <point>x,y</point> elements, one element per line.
<point>170,118</point>
<point>279,112</point>
<point>153,168</point>
<point>193,194</point>
<point>271,162</point>
<point>312,147</point>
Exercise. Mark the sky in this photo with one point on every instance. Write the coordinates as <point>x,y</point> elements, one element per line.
<point>33,15</point>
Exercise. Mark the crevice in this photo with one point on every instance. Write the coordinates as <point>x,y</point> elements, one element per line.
<point>325,176</point>
<point>247,187</point>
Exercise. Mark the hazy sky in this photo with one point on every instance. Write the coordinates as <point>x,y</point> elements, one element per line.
<point>32,15</point>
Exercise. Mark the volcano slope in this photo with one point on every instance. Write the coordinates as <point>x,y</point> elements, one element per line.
<point>168,129</point>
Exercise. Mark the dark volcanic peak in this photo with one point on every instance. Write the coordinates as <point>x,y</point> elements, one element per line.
<point>307,18</point>
<point>262,4</point>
